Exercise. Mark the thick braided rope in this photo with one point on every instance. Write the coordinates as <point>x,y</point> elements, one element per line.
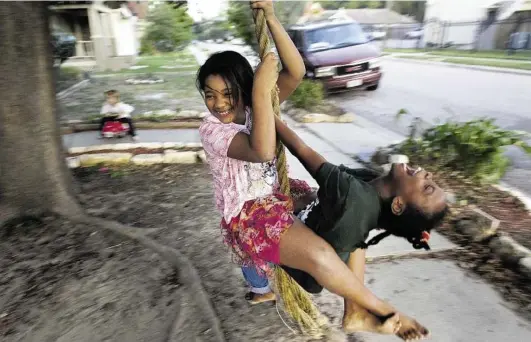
<point>263,41</point>
<point>297,302</point>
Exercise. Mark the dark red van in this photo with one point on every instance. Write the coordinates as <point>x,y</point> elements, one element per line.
<point>338,53</point>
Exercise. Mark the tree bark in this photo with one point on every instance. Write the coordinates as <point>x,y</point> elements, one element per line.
<point>34,177</point>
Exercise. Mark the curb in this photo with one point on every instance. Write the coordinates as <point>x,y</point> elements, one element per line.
<point>68,91</point>
<point>465,66</point>
<point>121,154</point>
<point>74,126</point>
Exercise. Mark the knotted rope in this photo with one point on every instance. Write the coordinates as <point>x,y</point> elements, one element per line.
<point>296,301</point>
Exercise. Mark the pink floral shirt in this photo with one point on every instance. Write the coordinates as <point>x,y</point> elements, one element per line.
<point>235,181</point>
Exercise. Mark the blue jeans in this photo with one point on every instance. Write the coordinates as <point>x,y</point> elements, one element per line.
<point>259,283</point>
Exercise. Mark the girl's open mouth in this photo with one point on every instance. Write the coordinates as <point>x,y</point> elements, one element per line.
<point>223,113</point>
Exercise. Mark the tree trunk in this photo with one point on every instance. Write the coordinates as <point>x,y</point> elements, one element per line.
<point>34,177</point>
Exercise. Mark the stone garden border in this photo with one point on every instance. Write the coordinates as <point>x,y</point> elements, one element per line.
<point>123,154</point>
<point>478,226</point>
<point>304,116</point>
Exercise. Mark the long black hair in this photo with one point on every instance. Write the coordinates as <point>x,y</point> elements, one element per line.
<point>235,70</point>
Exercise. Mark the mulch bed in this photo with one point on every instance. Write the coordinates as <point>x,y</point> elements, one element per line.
<point>65,281</point>
<point>515,218</point>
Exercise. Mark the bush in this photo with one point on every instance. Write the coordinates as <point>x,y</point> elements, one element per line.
<point>147,48</point>
<point>475,148</point>
<point>168,27</point>
<point>308,95</point>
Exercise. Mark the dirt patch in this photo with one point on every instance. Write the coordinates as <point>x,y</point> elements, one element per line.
<point>180,199</point>
<point>62,281</point>
<point>514,217</point>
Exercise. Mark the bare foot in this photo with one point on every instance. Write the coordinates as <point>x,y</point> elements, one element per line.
<point>411,330</point>
<point>256,298</point>
<point>361,320</point>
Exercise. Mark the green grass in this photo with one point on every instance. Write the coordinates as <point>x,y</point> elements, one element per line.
<point>403,50</point>
<point>179,93</point>
<point>495,54</point>
<point>425,57</point>
<point>493,63</point>
<point>182,59</point>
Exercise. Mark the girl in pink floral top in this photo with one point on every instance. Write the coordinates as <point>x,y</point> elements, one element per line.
<point>239,140</point>
<point>242,159</point>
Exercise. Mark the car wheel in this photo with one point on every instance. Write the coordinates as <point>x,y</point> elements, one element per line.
<point>373,87</point>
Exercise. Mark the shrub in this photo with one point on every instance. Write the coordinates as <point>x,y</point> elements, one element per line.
<point>146,47</point>
<point>308,95</point>
<point>475,148</point>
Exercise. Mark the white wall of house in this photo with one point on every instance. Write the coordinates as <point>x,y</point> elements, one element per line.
<point>456,10</point>
<point>462,18</point>
<point>124,33</point>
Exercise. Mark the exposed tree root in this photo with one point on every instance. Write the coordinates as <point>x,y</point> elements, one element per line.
<point>8,214</point>
<point>113,225</point>
<point>188,274</point>
<point>175,324</point>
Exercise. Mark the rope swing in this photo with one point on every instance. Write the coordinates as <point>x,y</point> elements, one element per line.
<point>296,301</point>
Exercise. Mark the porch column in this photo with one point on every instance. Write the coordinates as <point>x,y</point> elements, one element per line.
<point>80,50</point>
<point>97,38</point>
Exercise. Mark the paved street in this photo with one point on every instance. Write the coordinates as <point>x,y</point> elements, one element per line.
<point>439,93</point>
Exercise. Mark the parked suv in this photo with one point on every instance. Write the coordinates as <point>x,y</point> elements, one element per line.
<point>338,53</point>
<point>63,45</point>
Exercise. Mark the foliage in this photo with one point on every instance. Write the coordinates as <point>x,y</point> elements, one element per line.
<point>169,27</point>
<point>213,29</point>
<point>147,47</point>
<point>416,9</point>
<point>308,95</point>
<point>241,17</point>
<point>474,148</point>
<point>334,5</point>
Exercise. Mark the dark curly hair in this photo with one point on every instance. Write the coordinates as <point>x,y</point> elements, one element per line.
<point>409,225</point>
<point>235,70</point>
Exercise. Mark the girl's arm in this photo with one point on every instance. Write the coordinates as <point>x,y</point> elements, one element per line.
<point>261,144</point>
<point>293,66</point>
<point>309,158</point>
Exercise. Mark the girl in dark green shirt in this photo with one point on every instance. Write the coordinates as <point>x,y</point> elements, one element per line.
<point>352,202</point>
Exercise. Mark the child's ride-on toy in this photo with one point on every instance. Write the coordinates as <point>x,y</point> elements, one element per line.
<point>114,128</point>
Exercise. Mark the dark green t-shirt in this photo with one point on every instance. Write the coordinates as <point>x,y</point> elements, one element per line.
<point>347,209</point>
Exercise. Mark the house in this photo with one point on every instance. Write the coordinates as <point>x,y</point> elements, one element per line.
<point>382,21</point>
<point>481,24</point>
<point>364,16</point>
<point>106,32</point>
